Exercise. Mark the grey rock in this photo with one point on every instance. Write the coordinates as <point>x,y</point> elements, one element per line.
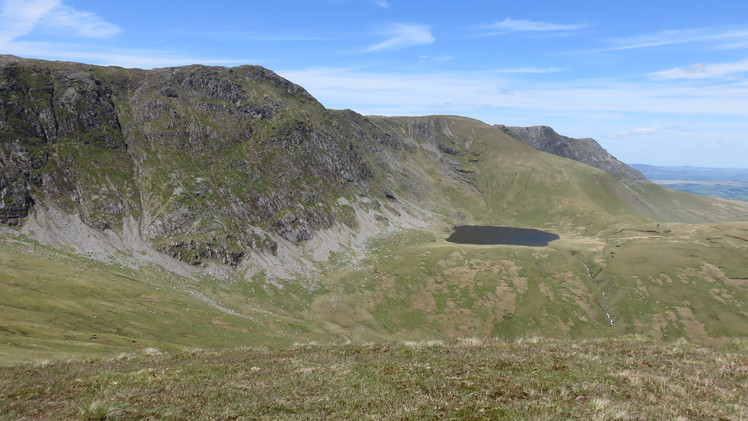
<point>586,150</point>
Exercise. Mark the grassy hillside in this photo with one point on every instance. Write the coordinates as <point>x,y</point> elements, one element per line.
<point>666,282</point>
<point>726,190</point>
<point>491,177</point>
<point>624,378</point>
<point>662,282</point>
<point>515,182</point>
<point>57,304</point>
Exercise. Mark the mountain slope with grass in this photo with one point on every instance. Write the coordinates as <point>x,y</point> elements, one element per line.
<point>661,204</point>
<point>588,151</point>
<point>625,378</point>
<point>216,207</point>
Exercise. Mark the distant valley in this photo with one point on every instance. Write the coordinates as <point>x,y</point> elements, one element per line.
<point>727,183</point>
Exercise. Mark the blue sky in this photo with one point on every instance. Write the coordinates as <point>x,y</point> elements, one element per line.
<point>655,82</point>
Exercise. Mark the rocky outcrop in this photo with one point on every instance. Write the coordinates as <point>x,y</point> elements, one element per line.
<point>588,151</point>
<point>205,157</point>
<point>52,120</point>
<point>15,170</point>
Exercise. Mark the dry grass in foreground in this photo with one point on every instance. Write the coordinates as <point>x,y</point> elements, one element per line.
<point>628,378</point>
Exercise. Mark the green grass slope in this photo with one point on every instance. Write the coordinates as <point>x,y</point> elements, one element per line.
<point>501,181</point>
<point>56,304</point>
<point>726,190</point>
<point>689,282</point>
<point>683,281</point>
<point>490,176</point>
<point>662,282</point>
<point>625,378</point>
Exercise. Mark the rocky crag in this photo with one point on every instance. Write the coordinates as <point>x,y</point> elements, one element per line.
<point>586,150</point>
<point>212,162</point>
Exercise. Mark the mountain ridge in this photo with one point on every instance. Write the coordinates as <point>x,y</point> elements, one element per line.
<point>585,150</point>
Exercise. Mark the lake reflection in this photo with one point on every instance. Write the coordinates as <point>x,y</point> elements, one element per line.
<point>476,234</point>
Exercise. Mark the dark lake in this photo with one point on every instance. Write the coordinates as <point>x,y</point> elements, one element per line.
<point>476,234</point>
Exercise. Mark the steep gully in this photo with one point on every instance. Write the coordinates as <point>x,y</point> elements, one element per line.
<point>604,305</point>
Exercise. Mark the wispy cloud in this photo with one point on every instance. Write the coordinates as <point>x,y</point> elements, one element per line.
<point>436,59</point>
<point>403,35</point>
<point>266,37</point>
<point>537,70</point>
<point>635,132</point>
<point>521,25</point>
<point>125,57</point>
<point>704,71</point>
<point>85,24</point>
<point>719,36</point>
<point>739,44</point>
<point>382,3</point>
<point>20,17</point>
<point>482,94</point>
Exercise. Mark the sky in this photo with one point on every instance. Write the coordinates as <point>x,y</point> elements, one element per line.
<point>654,82</point>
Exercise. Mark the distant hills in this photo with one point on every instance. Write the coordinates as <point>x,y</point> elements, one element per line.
<point>727,183</point>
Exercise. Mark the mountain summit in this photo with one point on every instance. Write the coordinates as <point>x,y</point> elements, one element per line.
<point>587,150</point>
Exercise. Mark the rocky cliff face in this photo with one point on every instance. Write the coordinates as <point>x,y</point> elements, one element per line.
<point>214,162</point>
<point>588,151</point>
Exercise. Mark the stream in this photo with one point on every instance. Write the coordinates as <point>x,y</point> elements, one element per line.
<point>604,304</point>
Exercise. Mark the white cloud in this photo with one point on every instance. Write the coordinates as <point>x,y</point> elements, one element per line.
<point>520,25</point>
<point>20,17</point>
<point>150,60</point>
<point>403,35</point>
<point>737,38</point>
<point>265,36</point>
<point>436,59</point>
<point>485,94</point>
<point>704,71</point>
<point>635,132</point>
<point>85,24</point>
<point>733,46</point>
<point>537,70</point>
<point>382,3</point>
<point>145,59</point>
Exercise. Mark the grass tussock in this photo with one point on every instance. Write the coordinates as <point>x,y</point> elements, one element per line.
<point>535,378</point>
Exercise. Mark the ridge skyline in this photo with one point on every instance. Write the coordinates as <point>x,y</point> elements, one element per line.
<point>664,88</point>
